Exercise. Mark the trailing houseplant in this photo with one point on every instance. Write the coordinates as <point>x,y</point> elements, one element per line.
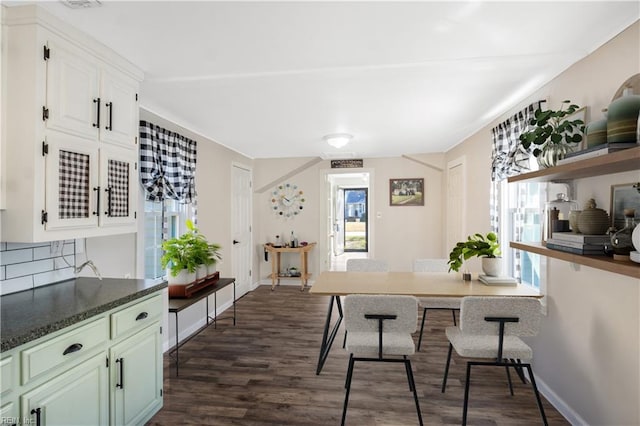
<point>476,245</point>
<point>553,135</point>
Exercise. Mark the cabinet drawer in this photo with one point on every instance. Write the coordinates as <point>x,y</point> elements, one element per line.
<point>63,349</point>
<point>136,316</point>
<point>6,375</point>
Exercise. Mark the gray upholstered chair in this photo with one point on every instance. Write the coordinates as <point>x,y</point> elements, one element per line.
<point>490,328</point>
<point>364,265</point>
<point>367,265</point>
<point>452,303</point>
<point>380,328</point>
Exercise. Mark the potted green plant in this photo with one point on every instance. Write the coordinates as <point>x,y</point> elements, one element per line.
<point>554,135</point>
<point>487,247</point>
<point>188,257</point>
<point>179,261</point>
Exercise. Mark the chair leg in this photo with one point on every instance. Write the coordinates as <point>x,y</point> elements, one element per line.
<point>509,378</point>
<point>348,388</point>
<point>344,342</point>
<point>424,317</point>
<point>446,368</point>
<point>412,387</point>
<point>535,389</point>
<point>453,313</point>
<point>466,395</point>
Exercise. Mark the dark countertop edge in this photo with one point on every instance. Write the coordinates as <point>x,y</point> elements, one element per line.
<point>36,333</point>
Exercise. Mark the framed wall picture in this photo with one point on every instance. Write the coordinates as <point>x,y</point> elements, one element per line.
<point>624,196</point>
<point>406,192</point>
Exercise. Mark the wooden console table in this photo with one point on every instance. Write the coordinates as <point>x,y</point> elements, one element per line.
<point>176,305</point>
<point>276,273</point>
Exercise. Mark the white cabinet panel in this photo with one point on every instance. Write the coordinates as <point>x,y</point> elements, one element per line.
<point>72,90</point>
<point>119,123</point>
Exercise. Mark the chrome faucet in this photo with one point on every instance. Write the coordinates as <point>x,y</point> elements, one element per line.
<point>90,264</point>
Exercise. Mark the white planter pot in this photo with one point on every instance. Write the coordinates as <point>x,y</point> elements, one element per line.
<point>184,277</point>
<point>492,266</point>
<point>211,269</point>
<point>201,273</point>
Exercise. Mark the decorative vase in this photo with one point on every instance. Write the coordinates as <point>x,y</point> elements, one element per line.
<point>593,221</point>
<point>492,266</point>
<point>184,277</point>
<point>596,132</point>
<point>573,221</point>
<point>552,152</point>
<point>622,123</point>
<point>621,240</point>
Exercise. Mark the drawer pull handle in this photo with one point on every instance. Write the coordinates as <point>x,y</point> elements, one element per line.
<point>121,362</point>
<point>73,348</point>
<point>141,316</point>
<point>36,411</point>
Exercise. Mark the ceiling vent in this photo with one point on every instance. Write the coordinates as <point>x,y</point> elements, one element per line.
<point>81,4</point>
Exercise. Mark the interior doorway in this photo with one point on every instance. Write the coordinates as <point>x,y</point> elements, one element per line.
<point>348,229</point>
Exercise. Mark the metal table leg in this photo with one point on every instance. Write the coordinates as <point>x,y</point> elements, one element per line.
<point>327,338</point>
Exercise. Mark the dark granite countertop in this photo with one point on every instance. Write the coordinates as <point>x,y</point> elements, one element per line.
<point>31,314</point>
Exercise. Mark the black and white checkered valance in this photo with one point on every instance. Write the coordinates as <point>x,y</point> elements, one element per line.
<point>508,157</point>
<point>167,164</point>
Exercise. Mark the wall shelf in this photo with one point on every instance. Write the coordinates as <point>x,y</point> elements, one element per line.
<point>627,268</point>
<point>620,161</point>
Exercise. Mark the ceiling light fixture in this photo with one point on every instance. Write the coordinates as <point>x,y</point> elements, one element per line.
<point>338,140</point>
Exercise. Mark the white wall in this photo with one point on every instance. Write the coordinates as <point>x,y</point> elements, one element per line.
<point>587,355</point>
<point>417,230</point>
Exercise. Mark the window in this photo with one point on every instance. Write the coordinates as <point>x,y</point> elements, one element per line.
<point>521,218</point>
<point>176,215</point>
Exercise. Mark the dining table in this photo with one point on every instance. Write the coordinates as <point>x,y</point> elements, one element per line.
<point>418,284</point>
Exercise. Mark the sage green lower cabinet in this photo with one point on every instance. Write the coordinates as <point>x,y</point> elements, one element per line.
<point>79,396</point>
<point>104,371</point>
<point>136,377</point>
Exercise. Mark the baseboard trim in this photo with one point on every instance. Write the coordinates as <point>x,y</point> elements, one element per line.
<point>559,404</point>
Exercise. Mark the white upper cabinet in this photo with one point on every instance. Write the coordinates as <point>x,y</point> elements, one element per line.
<point>71,132</point>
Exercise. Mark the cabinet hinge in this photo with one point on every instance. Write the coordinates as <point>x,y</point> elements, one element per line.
<point>45,148</point>
<point>45,113</point>
<point>136,96</point>
<point>135,165</point>
<point>249,272</point>
<point>46,54</point>
<point>44,217</point>
<point>136,140</point>
<point>135,215</point>
<point>160,329</point>
<point>107,361</point>
<point>160,391</point>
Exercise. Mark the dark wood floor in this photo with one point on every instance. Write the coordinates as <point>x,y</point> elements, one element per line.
<point>262,372</point>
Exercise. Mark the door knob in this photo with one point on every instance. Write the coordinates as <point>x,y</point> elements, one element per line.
<point>236,242</point>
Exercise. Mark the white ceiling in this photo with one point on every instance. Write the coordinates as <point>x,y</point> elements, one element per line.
<point>269,79</point>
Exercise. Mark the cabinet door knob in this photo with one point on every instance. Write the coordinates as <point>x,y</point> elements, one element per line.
<point>236,242</point>
<point>73,348</point>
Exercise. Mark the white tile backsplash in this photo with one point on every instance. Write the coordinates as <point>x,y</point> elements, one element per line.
<point>16,284</point>
<point>25,265</point>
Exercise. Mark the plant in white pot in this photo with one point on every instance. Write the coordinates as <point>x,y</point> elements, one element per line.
<point>179,261</point>
<point>205,255</point>
<point>487,247</point>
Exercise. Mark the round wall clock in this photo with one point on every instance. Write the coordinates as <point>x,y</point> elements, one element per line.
<point>287,200</point>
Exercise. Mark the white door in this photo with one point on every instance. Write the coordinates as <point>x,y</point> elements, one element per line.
<point>456,194</point>
<point>241,197</point>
